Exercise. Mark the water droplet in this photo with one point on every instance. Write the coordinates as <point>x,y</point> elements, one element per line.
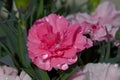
<point>58,65</point>
<point>74,59</point>
<point>60,17</point>
<point>64,67</point>
<point>47,19</point>
<point>116,65</point>
<point>45,56</point>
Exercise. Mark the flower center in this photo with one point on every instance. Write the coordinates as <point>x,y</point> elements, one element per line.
<point>51,39</point>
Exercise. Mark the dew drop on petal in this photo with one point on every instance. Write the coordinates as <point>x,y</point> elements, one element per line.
<point>47,19</point>
<point>45,56</point>
<point>58,65</point>
<point>115,65</point>
<point>72,60</point>
<point>64,67</point>
<point>59,17</point>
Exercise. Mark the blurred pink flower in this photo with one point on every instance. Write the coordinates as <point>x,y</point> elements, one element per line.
<point>100,71</point>
<point>53,42</point>
<point>105,16</point>
<point>117,43</point>
<point>23,76</point>
<point>8,73</point>
<point>106,13</point>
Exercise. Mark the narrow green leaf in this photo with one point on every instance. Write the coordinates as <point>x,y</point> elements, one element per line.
<point>42,74</point>
<point>108,46</point>
<point>118,51</point>
<point>102,52</point>
<point>113,60</point>
<point>32,15</point>
<point>10,39</point>
<point>2,32</point>
<point>29,11</point>
<point>40,9</point>
<point>117,36</point>
<point>20,47</point>
<point>1,4</point>
<point>31,72</point>
<point>11,55</point>
<point>66,74</point>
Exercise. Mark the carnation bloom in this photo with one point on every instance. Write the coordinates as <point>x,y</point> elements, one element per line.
<point>107,15</point>
<point>104,17</point>
<point>100,71</point>
<point>53,42</point>
<point>8,73</point>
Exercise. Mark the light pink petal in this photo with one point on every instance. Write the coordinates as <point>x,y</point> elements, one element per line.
<point>58,23</point>
<point>62,24</point>
<point>43,64</point>
<point>17,78</point>
<point>82,42</point>
<point>52,19</point>
<point>9,71</point>
<point>72,60</point>
<point>116,19</point>
<point>24,76</point>
<point>40,53</point>
<point>60,63</point>
<point>104,9</point>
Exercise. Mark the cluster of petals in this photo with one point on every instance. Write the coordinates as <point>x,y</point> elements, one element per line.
<point>99,71</point>
<point>9,73</point>
<point>105,19</point>
<point>53,42</point>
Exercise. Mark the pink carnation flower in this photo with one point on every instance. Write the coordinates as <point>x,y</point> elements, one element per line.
<point>100,71</point>
<point>106,13</point>
<point>53,42</point>
<point>105,16</point>
<point>8,73</point>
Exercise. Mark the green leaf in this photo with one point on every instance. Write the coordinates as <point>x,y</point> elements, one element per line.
<point>22,3</point>
<point>1,4</point>
<point>7,60</point>
<point>113,60</point>
<point>22,50</point>
<point>10,38</point>
<point>118,51</point>
<point>40,9</point>
<point>2,32</point>
<point>42,74</point>
<point>11,55</point>
<point>31,72</point>
<point>102,51</point>
<point>66,74</point>
<point>108,46</point>
<point>117,36</point>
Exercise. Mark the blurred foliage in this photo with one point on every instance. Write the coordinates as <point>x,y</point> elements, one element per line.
<point>20,16</point>
<point>118,35</point>
<point>92,4</point>
<point>22,3</point>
